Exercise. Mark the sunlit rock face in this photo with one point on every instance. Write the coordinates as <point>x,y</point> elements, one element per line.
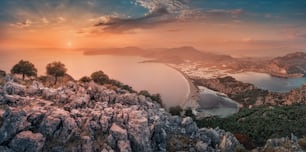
<point>89,117</point>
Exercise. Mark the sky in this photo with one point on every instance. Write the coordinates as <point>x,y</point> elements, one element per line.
<point>222,26</point>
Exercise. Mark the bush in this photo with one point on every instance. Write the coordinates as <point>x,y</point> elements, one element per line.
<point>99,77</point>
<point>2,73</point>
<point>175,110</point>
<point>188,112</point>
<point>154,97</point>
<point>85,79</point>
<point>302,143</point>
<point>144,93</point>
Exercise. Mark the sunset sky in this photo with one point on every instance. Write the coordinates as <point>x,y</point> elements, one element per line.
<point>211,25</point>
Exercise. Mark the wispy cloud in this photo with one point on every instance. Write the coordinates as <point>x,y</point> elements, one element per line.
<point>162,12</point>
<point>23,24</point>
<point>45,20</point>
<point>223,12</point>
<point>61,19</point>
<point>117,24</point>
<point>170,5</point>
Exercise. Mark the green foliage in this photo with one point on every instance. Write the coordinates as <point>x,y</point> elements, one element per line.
<point>25,68</point>
<point>2,73</point>
<point>99,77</point>
<point>144,93</point>
<point>42,78</point>
<point>154,97</point>
<point>175,110</point>
<point>188,112</point>
<point>262,123</point>
<point>302,143</point>
<point>249,97</point>
<point>56,69</point>
<point>85,79</point>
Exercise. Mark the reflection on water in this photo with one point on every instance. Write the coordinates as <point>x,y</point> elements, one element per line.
<point>265,81</point>
<point>154,77</point>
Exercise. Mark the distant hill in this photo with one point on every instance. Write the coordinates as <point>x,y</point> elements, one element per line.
<point>178,54</point>
<point>291,64</point>
<point>126,51</point>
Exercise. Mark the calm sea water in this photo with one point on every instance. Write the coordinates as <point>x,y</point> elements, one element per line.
<point>154,77</point>
<point>265,81</point>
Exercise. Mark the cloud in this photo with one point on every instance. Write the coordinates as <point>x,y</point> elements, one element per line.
<point>61,19</point>
<point>170,5</point>
<point>118,24</point>
<point>162,12</point>
<point>45,20</point>
<point>23,24</point>
<point>222,12</point>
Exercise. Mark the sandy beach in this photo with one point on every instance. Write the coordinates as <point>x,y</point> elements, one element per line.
<point>206,102</point>
<point>193,94</point>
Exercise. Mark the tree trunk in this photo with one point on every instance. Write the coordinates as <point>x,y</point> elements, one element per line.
<point>22,76</point>
<point>55,80</point>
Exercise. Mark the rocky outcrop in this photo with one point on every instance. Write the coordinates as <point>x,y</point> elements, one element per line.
<point>89,117</point>
<point>248,95</point>
<point>290,65</point>
<point>284,144</point>
<point>27,141</point>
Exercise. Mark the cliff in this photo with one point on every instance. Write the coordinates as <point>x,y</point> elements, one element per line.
<point>89,117</point>
<point>290,65</point>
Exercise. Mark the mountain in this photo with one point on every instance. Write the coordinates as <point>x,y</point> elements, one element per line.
<point>290,65</point>
<point>178,54</point>
<point>126,51</point>
<point>186,53</point>
<point>89,117</point>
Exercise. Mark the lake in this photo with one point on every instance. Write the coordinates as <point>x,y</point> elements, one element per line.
<point>266,81</point>
<point>154,77</point>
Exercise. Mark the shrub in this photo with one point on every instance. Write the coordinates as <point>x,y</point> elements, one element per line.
<point>188,112</point>
<point>302,143</point>
<point>175,110</point>
<point>85,79</point>
<point>144,93</point>
<point>2,73</point>
<point>99,77</point>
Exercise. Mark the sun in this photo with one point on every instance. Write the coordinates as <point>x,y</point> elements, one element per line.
<point>69,44</point>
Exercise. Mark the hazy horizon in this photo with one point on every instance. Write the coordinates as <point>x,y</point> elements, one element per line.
<point>239,28</point>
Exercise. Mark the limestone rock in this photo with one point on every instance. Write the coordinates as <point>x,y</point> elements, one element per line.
<point>28,142</point>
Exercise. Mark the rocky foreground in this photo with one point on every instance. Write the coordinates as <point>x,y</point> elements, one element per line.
<point>88,117</point>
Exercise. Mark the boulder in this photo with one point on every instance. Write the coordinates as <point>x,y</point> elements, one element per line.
<point>49,126</point>
<point>27,141</point>
<point>49,94</point>
<point>117,132</point>
<point>14,121</point>
<point>5,149</point>
<point>14,88</point>
<point>139,132</point>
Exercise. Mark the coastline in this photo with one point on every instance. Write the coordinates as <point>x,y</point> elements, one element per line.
<point>193,93</point>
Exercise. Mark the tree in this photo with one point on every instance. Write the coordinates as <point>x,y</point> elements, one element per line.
<point>25,68</point>
<point>56,69</point>
<point>99,77</point>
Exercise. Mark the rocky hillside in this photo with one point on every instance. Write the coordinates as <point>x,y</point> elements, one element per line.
<point>290,65</point>
<point>88,117</point>
<point>248,95</point>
